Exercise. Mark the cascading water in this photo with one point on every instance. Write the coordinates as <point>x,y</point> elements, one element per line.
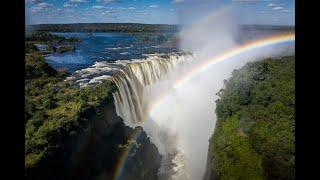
<point>132,79</point>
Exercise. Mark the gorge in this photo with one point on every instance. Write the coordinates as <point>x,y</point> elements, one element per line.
<point>148,117</point>
<point>143,83</point>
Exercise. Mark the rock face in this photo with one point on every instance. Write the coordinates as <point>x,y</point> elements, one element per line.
<point>143,161</point>
<point>210,173</point>
<point>96,153</point>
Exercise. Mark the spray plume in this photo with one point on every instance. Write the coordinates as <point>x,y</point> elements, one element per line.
<point>187,94</point>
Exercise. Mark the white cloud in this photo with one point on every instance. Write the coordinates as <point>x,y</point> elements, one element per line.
<point>154,6</point>
<point>109,12</point>
<point>44,5</point>
<point>108,1</point>
<point>33,1</point>
<point>97,7</point>
<point>246,1</point>
<point>132,8</point>
<point>41,7</point>
<point>271,5</point>
<point>178,1</point>
<point>286,11</point>
<point>277,8</point>
<point>67,5</point>
<point>78,1</point>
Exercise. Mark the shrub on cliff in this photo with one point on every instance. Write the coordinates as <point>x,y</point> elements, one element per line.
<point>36,67</point>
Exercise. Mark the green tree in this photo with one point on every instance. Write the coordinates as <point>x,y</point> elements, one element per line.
<point>233,156</point>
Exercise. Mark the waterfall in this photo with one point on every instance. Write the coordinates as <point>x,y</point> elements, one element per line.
<point>132,78</point>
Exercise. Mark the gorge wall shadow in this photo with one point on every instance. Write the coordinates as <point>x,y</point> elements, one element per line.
<point>95,153</point>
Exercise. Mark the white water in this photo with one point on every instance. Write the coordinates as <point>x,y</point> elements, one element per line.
<point>183,124</point>
<point>134,80</point>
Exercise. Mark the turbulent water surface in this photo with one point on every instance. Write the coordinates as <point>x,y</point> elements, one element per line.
<point>109,47</point>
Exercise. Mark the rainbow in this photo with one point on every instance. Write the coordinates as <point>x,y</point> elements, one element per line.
<point>125,152</point>
<point>206,64</point>
<point>193,72</point>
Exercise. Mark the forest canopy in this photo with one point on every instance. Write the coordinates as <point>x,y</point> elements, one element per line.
<point>255,130</point>
<point>55,110</point>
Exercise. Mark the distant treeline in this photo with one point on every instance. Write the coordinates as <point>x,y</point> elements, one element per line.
<point>266,27</point>
<point>105,27</point>
<point>131,27</point>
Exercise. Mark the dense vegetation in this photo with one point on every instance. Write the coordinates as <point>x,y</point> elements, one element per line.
<point>42,36</point>
<point>267,27</point>
<point>254,136</point>
<point>55,109</point>
<point>73,132</point>
<point>105,27</point>
<point>49,43</point>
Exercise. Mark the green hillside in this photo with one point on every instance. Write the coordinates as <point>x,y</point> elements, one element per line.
<point>68,128</point>
<point>255,130</point>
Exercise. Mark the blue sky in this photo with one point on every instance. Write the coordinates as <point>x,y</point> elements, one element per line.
<point>276,12</point>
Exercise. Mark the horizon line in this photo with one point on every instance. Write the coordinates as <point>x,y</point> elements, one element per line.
<point>293,25</point>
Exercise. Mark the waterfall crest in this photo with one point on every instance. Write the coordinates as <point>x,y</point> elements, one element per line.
<point>131,77</point>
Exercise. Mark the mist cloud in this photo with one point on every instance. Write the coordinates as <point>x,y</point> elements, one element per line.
<point>188,113</point>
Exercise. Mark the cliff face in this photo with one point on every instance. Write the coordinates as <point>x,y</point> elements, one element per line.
<point>210,173</point>
<point>95,153</point>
